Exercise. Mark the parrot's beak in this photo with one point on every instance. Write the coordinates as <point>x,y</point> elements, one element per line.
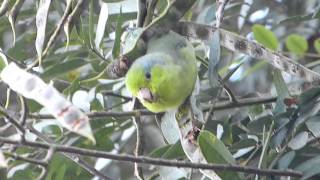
<point>146,95</point>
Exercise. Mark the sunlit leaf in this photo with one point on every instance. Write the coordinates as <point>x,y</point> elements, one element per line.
<point>297,44</point>
<point>102,22</point>
<point>265,37</point>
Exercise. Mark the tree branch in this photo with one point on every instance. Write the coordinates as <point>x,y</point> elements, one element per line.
<point>153,161</point>
<point>219,106</point>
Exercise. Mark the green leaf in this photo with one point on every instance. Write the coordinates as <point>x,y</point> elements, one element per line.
<point>72,88</point>
<point>63,67</point>
<point>157,153</point>
<point>174,152</point>
<point>171,152</point>
<point>215,151</point>
<point>169,127</point>
<point>214,58</point>
<point>61,172</point>
<point>265,37</point>
<point>299,141</point>
<point>91,23</point>
<point>286,159</point>
<point>309,168</point>
<point>313,124</point>
<point>309,95</point>
<point>95,105</point>
<point>316,45</point>
<point>33,106</point>
<point>119,31</point>
<point>104,142</point>
<point>282,91</point>
<point>296,44</point>
<point>256,126</point>
<point>245,143</point>
<point>2,64</point>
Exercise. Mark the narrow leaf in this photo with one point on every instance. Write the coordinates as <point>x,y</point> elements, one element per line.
<point>215,151</point>
<point>41,22</point>
<point>214,58</point>
<point>117,41</point>
<point>282,91</point>
<point>102,22</point>
<point>3,60</point>
<point>299,141</point>
<point>169,127</point>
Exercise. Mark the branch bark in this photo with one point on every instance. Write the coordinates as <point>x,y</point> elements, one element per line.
<point>153,161</point>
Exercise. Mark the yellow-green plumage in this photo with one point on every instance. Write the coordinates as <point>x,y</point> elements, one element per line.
<point>168,71</point>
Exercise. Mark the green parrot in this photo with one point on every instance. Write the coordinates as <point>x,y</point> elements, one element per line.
<point>165,76</point>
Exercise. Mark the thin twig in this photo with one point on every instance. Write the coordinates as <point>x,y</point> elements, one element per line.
<point>47,159</point>
<point>153,161</point>
<point>219,106</point>
<point>24,111</point>
<point>26,159</point>
<point>12,121</point>
<point>139,145</point>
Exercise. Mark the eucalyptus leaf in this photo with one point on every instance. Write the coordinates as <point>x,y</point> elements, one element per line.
<point>103,18</point>
<point>313,124</point>
<point>214,58</point>
<point>41,22</point>
<point>309,167</point>
<point>265,37</point>
<point>297,44</point>
<point>286,160</point>
<point>215,151</point>
<point>282,92</point>
<point>119,31</point>
<point>299,141</point>
<point>169,127</point>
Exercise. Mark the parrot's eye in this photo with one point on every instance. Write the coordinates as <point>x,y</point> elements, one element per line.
<point>148,75</point>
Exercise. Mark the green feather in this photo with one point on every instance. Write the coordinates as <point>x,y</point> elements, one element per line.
<point>171,62</point>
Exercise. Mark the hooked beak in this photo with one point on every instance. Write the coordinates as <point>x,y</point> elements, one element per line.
<point>146,95</point>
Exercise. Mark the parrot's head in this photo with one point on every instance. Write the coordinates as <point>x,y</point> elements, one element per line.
<point>147,79</point>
